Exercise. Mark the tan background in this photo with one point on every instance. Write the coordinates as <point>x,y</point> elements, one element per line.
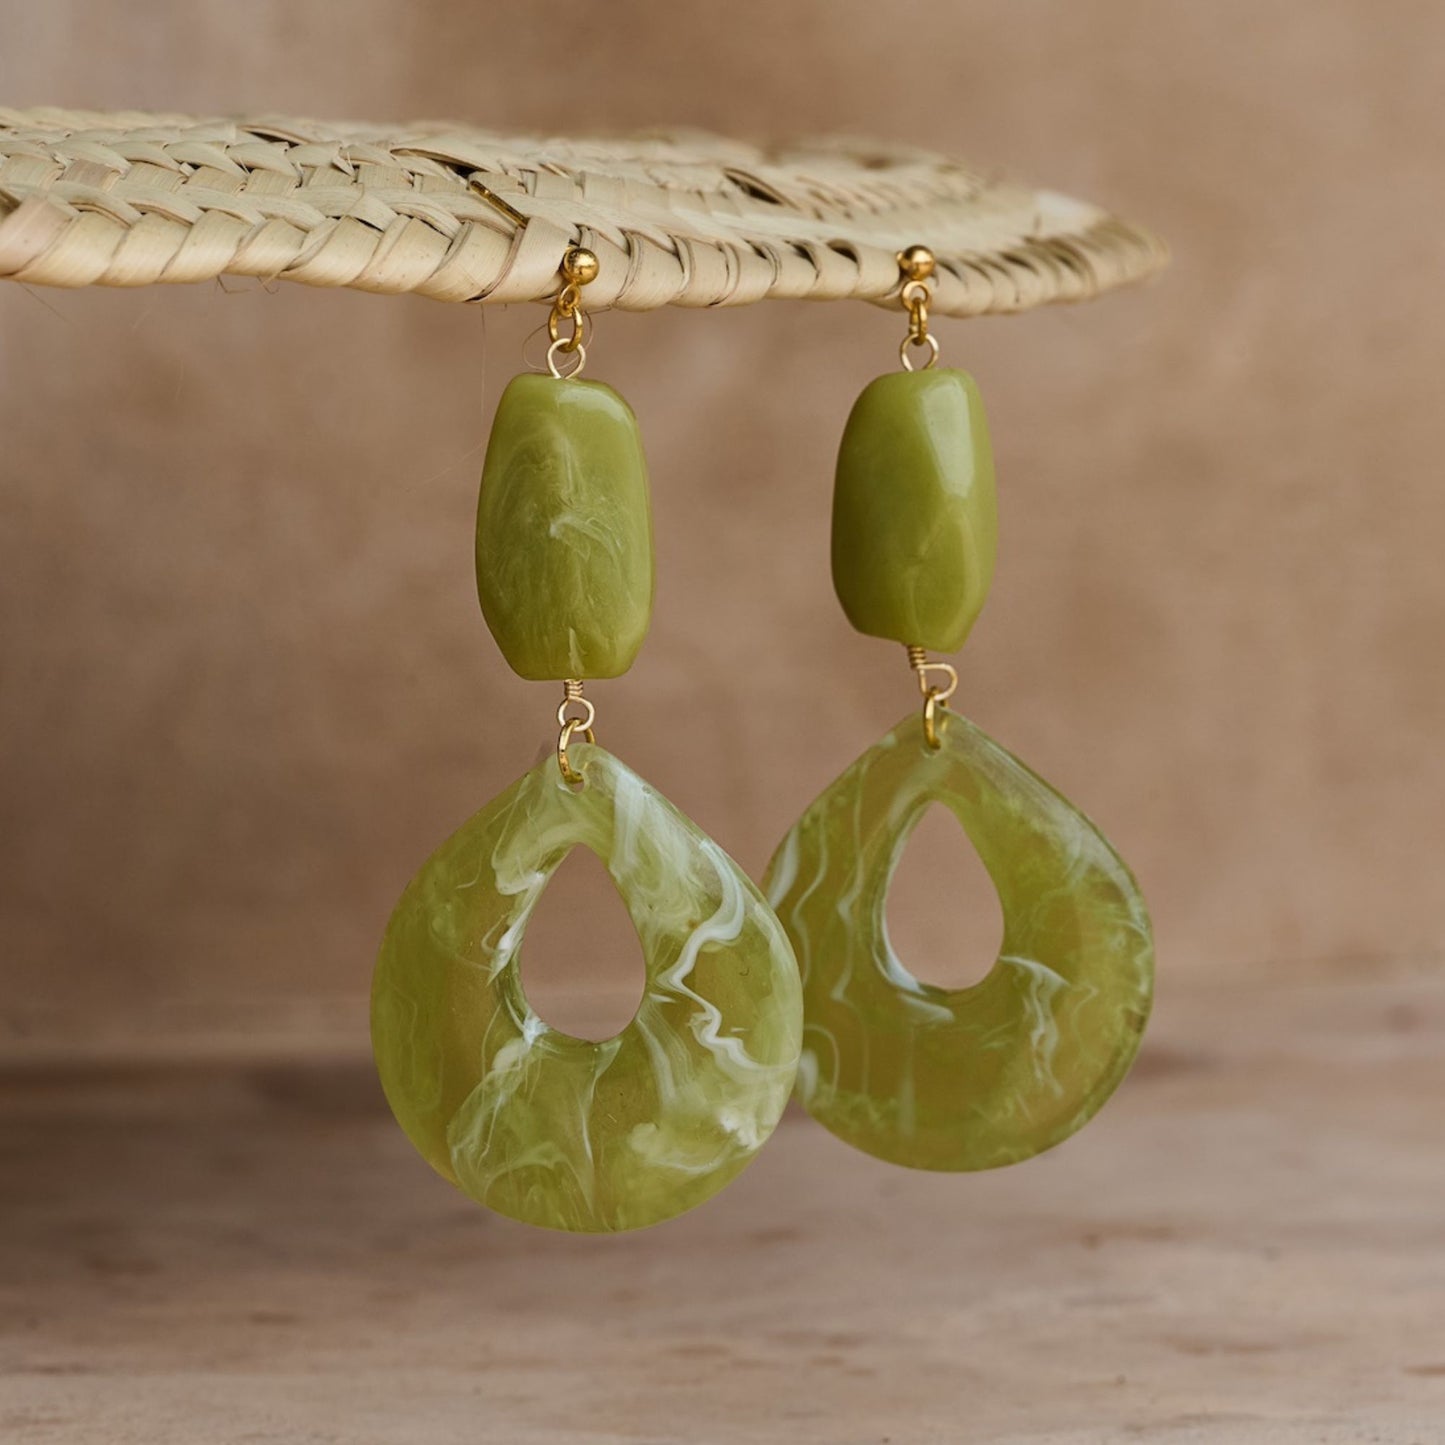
<point>244,687</point>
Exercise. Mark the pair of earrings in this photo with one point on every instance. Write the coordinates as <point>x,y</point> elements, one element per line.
<point>748,997</point>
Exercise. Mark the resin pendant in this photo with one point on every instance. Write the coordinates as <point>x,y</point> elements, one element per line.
<point>972,1078</point>
<point>556,1130</point>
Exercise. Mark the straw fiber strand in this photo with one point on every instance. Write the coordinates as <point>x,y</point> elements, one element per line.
<point>685,219</point>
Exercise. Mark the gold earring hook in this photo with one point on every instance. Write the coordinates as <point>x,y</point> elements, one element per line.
<point>579,267</point>
<point>916,265</point>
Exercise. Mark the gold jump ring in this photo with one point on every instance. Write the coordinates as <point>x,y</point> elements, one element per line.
<point>934,703</point>
<point>570,728</point>
<point>571,725</point>
<point>578,334</point>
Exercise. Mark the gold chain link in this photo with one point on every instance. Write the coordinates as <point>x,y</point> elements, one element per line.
<point>916,264</point>
<point>579,266</point>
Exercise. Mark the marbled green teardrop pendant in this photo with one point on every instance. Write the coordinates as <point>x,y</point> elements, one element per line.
<point>968,1078</point>
<point>561,1131</point>
<point>564,530</point>
<point>915,524</point>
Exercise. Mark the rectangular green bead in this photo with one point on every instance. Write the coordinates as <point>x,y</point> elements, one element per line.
<point>565,566</point>
<point>915,521</point>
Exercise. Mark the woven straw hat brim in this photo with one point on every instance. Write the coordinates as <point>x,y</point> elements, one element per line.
<point>680,219</point>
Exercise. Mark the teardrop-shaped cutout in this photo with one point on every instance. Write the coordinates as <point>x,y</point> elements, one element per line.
<point>582,969</point>
<point>542,1125</point>
<point>945,925</point>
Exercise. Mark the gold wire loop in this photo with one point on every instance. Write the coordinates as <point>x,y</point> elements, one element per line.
<point>582,721</point>
<point>572,724</point>
<point>932,689</point>
<point>935,698</point>
<point>905,351</point>
<point>577,353</point>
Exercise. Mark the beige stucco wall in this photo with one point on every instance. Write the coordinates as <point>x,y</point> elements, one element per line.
<point>244,687</point>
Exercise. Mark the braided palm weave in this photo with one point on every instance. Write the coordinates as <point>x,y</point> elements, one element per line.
<point>684,219</point>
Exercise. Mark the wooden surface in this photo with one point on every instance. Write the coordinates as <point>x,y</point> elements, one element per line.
<point>1248,1245</point>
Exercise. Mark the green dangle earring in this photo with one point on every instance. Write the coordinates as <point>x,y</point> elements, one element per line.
<point>536,1124</point>
<point>932,1078</point>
